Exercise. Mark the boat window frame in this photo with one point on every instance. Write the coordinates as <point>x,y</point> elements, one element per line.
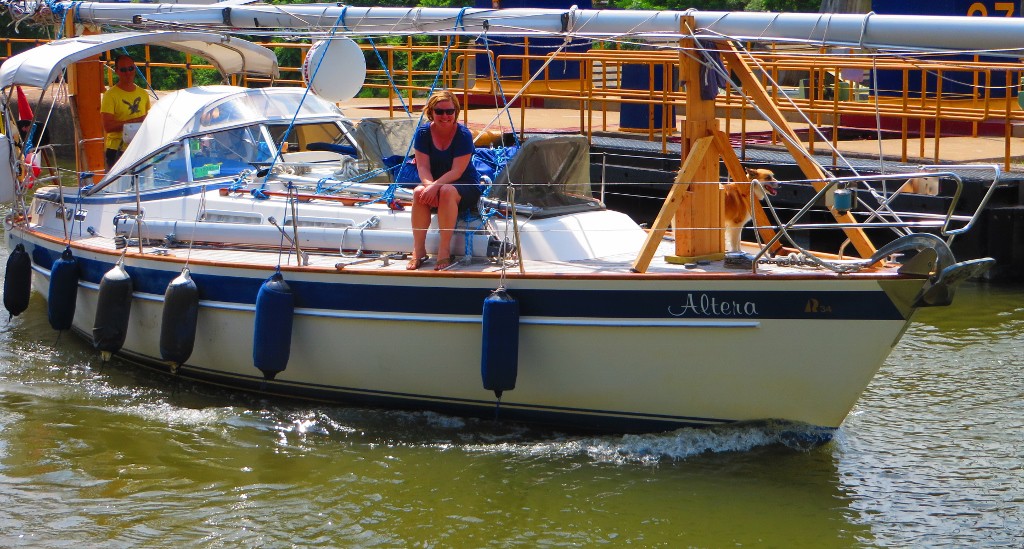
<point>264,135</point>
<point>133,174</point>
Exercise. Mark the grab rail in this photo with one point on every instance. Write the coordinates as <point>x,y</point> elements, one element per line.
<point>782,230</point>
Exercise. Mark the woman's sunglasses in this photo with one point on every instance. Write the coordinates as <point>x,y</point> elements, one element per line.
<point>444,111</point>
<point>126,69</point>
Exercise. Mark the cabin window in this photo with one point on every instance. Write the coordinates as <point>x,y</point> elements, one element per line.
<point>302,135</point>
<point>164,169</point>
<point>227,153</point>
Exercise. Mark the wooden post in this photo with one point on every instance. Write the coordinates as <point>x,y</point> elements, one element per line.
<point>753,89</point>
<point>85,84</point>
<point>698,219</point>
<point>678,194</point>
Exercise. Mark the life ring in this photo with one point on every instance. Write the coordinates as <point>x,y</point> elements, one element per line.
<point>35,167</point>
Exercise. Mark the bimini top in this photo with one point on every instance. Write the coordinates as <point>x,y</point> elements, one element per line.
<point>41,65</point>
<point>201,110</point>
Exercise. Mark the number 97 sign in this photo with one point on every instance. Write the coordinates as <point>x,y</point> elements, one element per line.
<point>997,9</point>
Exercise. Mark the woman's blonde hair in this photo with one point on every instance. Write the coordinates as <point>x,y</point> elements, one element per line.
<point>439,96</point>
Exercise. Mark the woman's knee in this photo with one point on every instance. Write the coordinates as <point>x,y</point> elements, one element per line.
<point>449,193</point>
<point>417,194</point>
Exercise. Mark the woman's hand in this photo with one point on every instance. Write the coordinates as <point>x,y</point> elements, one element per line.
<point>431,194</point>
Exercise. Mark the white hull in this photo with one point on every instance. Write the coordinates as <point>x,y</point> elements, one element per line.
<point>598,372</point>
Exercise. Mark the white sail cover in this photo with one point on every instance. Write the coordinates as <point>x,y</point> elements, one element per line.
<point>40,66</point>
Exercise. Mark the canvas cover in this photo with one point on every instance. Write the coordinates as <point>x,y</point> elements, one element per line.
<point>206,109</point>
<point>551,174</point>
<point>40,66</point>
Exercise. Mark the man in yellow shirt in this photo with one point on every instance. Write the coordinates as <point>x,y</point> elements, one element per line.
<point>122,104</point>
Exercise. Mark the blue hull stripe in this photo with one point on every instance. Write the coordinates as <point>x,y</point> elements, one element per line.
<point>554,303</point>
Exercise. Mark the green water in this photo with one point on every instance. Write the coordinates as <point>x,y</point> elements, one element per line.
<point>110,456</point>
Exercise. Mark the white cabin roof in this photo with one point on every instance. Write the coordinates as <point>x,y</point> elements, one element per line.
<point>40,66</point>
<point>201,110</point>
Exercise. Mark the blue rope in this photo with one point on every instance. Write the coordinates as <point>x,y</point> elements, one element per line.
<point>458,19</point>
<point>323,186</point>
<point>388,74</point>
<point>501,91</point>
<point>59,11</point>
<point>341,19</point>
<point>291,124</point>
<point>471,231</point>
<point>238,184</point>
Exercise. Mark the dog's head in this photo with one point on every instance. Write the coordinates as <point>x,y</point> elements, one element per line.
<point>765,177</point>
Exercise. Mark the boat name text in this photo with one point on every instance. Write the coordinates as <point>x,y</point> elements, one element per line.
<point>705,305</point>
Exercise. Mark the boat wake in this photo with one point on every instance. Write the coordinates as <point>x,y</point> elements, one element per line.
<point>447,433</point>
<point>653,449</point>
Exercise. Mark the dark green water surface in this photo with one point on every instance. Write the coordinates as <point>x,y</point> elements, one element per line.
<point>110,456</point>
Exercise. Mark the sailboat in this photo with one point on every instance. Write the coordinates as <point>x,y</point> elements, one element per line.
<point>255,239</point>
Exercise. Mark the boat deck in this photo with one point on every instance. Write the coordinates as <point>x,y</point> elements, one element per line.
<point>612,266</point>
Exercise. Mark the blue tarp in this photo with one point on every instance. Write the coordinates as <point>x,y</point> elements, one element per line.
<point>488,161</point>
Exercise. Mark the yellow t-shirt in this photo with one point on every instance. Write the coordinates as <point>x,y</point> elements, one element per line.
<point>123,105</point>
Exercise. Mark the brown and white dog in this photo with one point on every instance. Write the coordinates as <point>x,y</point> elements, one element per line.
<point>737,203</point>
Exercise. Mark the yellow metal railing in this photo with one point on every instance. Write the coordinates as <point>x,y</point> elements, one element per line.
<point>811,83</point>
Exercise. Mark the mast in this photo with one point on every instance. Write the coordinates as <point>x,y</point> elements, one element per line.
<point>909,32</point>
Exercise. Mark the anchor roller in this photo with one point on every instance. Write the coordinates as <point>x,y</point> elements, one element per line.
<point>60,306</point>
<point>499,358</point>
<point>18,281</point>
<point>272,337</point>
<point>180,316</point>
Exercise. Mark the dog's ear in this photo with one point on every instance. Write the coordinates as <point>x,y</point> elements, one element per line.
<point>760,174</point>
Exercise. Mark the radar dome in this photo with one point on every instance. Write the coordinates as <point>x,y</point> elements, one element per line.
<point>334,69</point>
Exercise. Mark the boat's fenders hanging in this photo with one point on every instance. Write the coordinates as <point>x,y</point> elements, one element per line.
<point>18,281</point>
<point>499,360</point>
<point>272,338</point>
<point>113,308</point>
<point>178,325</point>
<point>60,305</point>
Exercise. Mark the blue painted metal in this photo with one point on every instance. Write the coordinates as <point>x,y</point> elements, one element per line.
<point>499,357</point>
<point>63,295</point>
<point>272,338</point>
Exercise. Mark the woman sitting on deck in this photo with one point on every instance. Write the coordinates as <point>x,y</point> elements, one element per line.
<point>448,181</point>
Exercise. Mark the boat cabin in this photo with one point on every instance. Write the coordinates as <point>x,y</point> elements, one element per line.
<point>212,134</point>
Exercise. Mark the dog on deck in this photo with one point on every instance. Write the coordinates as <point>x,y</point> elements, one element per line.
<point>921,185</point>
<point>737,203</point>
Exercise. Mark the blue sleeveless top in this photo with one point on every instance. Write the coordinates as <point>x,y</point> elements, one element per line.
<point>441,160</point>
